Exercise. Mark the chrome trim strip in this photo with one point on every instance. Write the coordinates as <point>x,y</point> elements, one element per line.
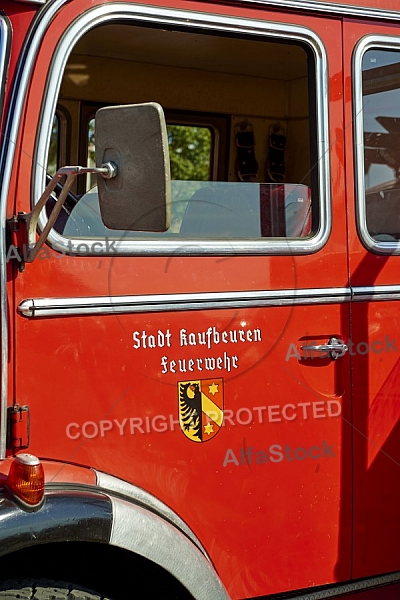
<point>208,22</point>
<point>32,1</point>
<point>10,136</point>
<point>365,584</point>
<point>367,42</point>
<point>348,10</point>
<point>376,293</point>
<point>110,484</point>
<point>95,305</point>
<point>154,538</point>
<point>5,40</point>
<point>58,307</point>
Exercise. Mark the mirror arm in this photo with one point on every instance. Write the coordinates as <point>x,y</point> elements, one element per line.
<point>107,171</point>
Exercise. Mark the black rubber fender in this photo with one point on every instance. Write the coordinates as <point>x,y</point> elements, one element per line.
<point>70,516</point>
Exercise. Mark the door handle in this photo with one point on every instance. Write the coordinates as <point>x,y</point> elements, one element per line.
<point>335,347</point>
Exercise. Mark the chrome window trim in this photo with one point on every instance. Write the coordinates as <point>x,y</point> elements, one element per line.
<point>207,22</point>
<point>382,42</point>
<point>5,46</point>
<point>58,307</point>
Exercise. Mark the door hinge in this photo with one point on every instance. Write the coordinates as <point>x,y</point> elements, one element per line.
<point>18,427</point>
<point>16,240</point>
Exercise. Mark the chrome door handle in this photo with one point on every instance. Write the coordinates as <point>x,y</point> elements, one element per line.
<point>335,347</point>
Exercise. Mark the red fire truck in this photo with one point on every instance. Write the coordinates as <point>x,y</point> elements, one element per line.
<point>200,317</point>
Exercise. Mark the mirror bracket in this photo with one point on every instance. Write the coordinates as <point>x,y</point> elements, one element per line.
<point>108,170</point>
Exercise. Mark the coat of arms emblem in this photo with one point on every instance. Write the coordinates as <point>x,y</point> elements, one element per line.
<point>201,408</point>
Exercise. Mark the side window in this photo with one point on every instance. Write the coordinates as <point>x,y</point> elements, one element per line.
<point>91,155</point>
<point>380,192</point>
<point>53,162</point>
<point>57,155</point>
<point>255,178</point>
<point>190,152</point>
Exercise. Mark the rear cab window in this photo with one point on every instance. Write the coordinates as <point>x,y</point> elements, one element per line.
<point>377,108</point>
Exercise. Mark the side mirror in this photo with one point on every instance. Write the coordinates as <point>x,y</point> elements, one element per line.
<point>134,138</point>
<point>133,176</point>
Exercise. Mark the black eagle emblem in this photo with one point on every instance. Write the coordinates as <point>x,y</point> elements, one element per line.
<point>190,408</point>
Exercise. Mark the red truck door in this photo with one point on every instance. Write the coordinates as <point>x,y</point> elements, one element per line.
<point>118,335</point>
<point>372,59</point>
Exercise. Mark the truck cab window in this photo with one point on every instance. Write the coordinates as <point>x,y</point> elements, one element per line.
<point>53,159</point>
<point>190,149</point>
<point>91,155</point>
<point>190,152</point>
<point>260,85</point>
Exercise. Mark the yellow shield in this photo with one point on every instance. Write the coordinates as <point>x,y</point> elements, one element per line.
<point>201,408</point>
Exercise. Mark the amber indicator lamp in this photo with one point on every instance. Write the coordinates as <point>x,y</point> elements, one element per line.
<point>26,481</point>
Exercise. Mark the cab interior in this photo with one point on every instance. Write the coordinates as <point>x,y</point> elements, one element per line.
<point>237,109</point>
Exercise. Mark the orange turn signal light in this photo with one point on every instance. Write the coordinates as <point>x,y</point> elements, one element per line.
<point>26,480</point>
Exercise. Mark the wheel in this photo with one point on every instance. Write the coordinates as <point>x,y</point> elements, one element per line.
<point>45,589</point>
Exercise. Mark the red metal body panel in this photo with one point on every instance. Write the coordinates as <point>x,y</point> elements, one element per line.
<point>99,397</point>
<point>89,371</point>
<point>55,472</point>
<point>20,18</point>
<point>375,378</point>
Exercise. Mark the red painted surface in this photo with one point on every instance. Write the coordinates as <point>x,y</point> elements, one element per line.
<point>375,381</point>
<point>268,528</point>
<point>66,473</point>
<point>56,473</point>
<point>368,4</point>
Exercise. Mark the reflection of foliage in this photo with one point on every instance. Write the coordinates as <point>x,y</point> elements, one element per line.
<point>190,158</point>
<point>91,156</point>
<point>182,191</point>
<point>91,147</point>
<point>52,162</point>
<point>189,152</point>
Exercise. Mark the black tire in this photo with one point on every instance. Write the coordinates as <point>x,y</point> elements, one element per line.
<point>45,589</point>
